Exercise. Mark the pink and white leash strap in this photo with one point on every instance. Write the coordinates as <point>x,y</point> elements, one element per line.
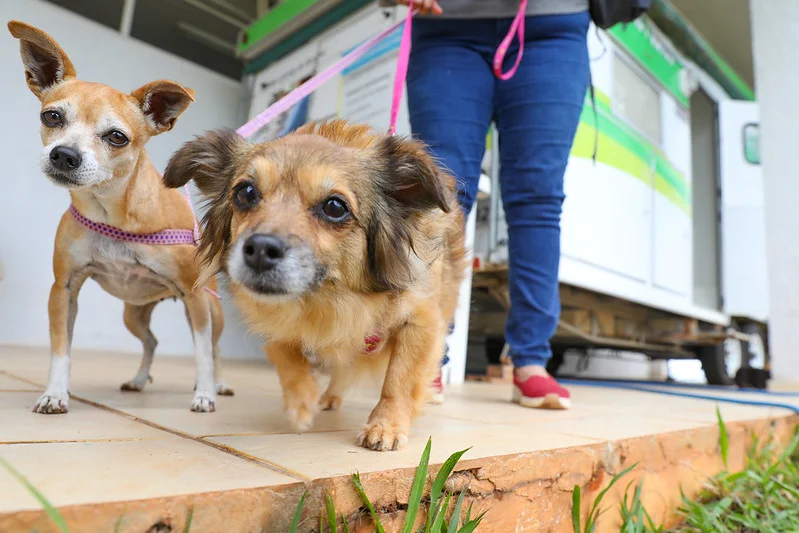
<point>298,93</point>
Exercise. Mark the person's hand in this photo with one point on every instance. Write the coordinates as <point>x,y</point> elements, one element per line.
<point>425,7</point>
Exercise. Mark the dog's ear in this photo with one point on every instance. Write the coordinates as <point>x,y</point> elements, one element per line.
<point>162,103</point>
<point>409,185</point>
<point>212,161</point>
<point>46,64</point>
<point>411,177</point>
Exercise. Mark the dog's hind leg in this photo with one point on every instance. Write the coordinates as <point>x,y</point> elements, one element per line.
<point>217,325</point>
<point>137,320</point>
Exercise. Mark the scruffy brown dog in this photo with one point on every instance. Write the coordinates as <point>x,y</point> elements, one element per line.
<point>342,246</point>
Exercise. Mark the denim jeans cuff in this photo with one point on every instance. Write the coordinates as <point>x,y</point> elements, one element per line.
<point>529,360</point>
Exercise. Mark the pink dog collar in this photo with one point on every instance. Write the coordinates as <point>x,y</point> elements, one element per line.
<point>167,236</point>
<point>164,237</point>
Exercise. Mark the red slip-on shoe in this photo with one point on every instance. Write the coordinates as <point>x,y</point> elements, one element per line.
<point>540,392</point>
<point>437,396</point>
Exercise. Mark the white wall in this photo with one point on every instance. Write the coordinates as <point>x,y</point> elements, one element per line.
<point>775,37</point>
<point>30,206</point>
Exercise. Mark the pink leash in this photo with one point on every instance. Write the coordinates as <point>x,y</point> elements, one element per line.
<point>298,93</point>
<point>516,29</point>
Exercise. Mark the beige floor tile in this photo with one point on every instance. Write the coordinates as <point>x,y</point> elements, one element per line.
<point>618,427</point>
<point>7,383</point>
<point>83,422</point>
<point>248,412</point>
<point>80,473</point>
<point>319,455</point>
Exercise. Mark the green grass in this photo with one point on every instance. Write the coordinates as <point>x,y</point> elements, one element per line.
<point>51,511</point>
<point>763,498</point>
<point>437,510</point>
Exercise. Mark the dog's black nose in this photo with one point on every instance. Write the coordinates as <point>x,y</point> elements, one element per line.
<point>262,252</point>
<point>65,158</point>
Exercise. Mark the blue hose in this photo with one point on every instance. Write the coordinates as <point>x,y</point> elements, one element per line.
<point>676,385</point>
<point>663,388</point>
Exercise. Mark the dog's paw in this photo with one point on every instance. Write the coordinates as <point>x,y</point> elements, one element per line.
<point>383,436</point>
<point>223,389</point>
<point>52,404</point>
<point>330,401</point>
<point>302,408</point>
<point>132,386</point>
<point>203,403</point>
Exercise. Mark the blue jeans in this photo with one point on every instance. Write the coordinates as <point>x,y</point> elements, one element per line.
<point>453,96</point>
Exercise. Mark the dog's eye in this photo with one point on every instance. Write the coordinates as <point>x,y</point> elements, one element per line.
<point>245,195</point>
<point>116,138</point>
<point>52,119</point>
<point>335,209</point>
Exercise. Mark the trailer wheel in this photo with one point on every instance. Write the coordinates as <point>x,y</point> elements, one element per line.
<point>717,363</point>
<point>756,350</point>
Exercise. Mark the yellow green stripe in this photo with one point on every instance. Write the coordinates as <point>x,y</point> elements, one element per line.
<point>622,148</point>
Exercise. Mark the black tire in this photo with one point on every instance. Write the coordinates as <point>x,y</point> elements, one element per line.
<point>752,328</point>
<point>714,364</point>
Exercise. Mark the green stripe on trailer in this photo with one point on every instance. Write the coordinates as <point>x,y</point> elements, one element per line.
<point>299,38</point>
<point>696,48</point>
<point>637,38</point>
<point>267,24</point>
<point>621,147</point>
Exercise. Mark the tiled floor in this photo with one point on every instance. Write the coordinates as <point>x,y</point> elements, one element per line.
<point>135,446</point>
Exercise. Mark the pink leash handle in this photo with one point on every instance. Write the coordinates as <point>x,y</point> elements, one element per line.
<point>517,30</point>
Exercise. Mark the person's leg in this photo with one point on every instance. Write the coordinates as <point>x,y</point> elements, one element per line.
<point>451,95</point>
<point>537,113</point>
<point>450,102</point>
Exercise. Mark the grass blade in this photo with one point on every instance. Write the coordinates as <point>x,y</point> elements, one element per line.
<point>441,479</point>
<point>118,525</point>
<point>456,514</point>
<point>331,514</point>
<point>344,523</point>
<point>440,514</point>
<point>471,525</point>
<point>576,504</point>
<point>189,518</point>
<point>602,494</point>
<point>415,499</point>
<point>724,438</point>
<point>51,511</point>
<point>295,522</point>
<point>356,480</point>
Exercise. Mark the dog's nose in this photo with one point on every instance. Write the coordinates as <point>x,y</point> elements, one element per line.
<point>65,158</point>
<point>262,252</point>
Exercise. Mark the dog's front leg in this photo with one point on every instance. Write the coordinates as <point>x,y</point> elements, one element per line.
<point>199,314</point>
<point>415,350</point>
<point>300,390</point>
<point>62,310</point>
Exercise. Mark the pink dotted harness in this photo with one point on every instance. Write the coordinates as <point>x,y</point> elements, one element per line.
<point>163,237</point>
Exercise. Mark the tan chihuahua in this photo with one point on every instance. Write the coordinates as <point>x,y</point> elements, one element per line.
<point>124,229</point>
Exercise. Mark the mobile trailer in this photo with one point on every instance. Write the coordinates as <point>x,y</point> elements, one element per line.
<point>663,248</point>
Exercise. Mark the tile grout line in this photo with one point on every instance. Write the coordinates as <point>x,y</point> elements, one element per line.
<point>76,441</point>
<point>219,447</point>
